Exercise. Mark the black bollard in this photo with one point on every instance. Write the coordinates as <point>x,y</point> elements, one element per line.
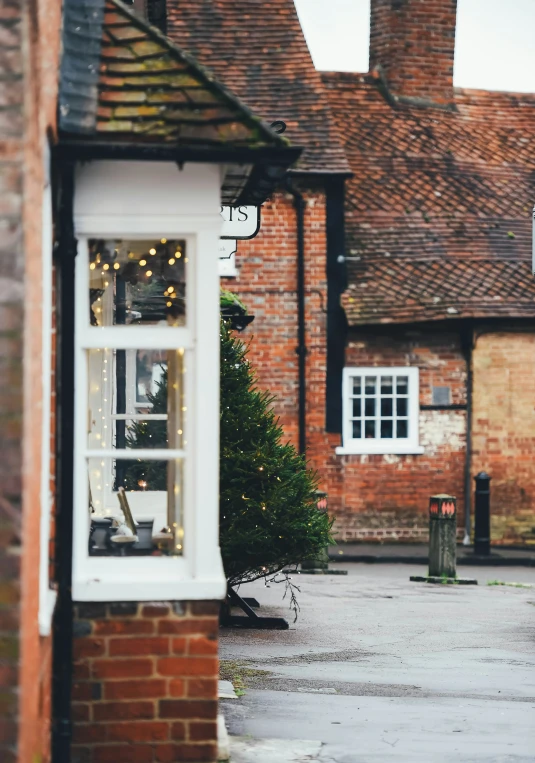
<point>482,515</point>
<point>443,543</point>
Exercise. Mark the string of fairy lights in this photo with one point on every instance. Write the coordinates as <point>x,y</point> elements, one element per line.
<point>157,264</point>
<point>154,291</point>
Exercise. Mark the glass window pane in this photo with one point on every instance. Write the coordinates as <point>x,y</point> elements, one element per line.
<point>356,385</point>
<point>139,283</point>
<point>386,406</point>
<point>131,517</point>
<point>402,404</point>
<point>151,373</point>
<point>357,407</point>
<point>357,429</point>
<point>370,385</point>
<point>369,406</point>
<point>402,428</point>
<point>387,430</point>
<point>386,385</point>
<point>136,399</point>
<point>369,429</point>
<point>402,385</point>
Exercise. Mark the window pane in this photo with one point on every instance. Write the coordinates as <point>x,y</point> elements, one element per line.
<point>402,385</point>
<point>386,406</point>
<point>357,429</point>
<point>370,385</point>
<point>387,428</point>
<point>369,406</point>
<point>357,407</point>
<point>357,385</point>
<point>402,404</point>
<point>141,521</point>
<point>402,428</point>
<point>137,282</point>
<point>136,399</point>
<point>386,385</point>
<point>151,373</point>
<point>369,429</point>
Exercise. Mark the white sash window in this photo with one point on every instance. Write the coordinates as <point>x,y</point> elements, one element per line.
<point>380,411</point>
<point>146,383</point>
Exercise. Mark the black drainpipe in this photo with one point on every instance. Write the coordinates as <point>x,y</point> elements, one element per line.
<point>467,344</point>
<point>63,616</point>
<point>299,206</point>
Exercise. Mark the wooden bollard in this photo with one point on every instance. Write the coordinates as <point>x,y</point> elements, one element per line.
<point>442,536</point>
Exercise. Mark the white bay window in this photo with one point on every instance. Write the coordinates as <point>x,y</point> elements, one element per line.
<point>146,383</point>
<point>380,411</point>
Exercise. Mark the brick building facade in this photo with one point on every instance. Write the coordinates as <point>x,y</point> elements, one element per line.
<point>89,675</point>
<point>436,275</point>
<point>29,48</point>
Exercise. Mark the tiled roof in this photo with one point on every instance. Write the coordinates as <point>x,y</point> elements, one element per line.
<point>438,212</point>
<point>396,290</point>
<point>127,90</point>
<point>257,48</point>
<point>152,89</point>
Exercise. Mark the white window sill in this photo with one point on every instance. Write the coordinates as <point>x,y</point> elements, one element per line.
<point>387,450</point>
<point>140,590</point>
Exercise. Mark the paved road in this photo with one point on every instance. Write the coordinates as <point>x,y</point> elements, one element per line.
<point>380,669</point>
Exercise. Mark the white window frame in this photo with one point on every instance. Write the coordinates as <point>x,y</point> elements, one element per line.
<point>381,446</point>
<point>198,573</point>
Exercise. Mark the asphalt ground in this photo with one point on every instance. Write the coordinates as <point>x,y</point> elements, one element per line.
<point>377,668</point>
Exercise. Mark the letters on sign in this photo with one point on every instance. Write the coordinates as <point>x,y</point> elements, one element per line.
<point>240,222</point>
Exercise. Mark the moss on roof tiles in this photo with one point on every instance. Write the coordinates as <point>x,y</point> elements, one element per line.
<point>151,89</point>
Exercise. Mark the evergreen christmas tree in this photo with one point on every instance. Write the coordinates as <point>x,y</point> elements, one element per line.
<point>149,475</point>
<point>268,513</point>
<point>269,518</point>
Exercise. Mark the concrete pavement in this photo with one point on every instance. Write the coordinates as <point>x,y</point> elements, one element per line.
<point>377,668</point>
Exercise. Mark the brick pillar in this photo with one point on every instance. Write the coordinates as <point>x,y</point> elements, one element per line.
<point>145,682</point>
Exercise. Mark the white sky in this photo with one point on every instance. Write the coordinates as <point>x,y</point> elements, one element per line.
<point>495,43</point>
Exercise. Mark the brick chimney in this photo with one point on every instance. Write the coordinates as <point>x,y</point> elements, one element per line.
<point>414,42</point>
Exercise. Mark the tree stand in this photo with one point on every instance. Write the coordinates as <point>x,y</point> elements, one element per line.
<point>250,619</point>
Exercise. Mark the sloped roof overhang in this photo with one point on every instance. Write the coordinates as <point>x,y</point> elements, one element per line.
<point>127,92</point>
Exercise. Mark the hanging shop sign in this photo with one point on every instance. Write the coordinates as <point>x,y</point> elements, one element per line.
<point>240,222</point>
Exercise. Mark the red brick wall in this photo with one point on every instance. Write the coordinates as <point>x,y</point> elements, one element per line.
<point>11,350</point>
<point>145,682</point>
<point>29,45</point>
<point>504,430</point>
<point>387,497</point>
<point>372,497</point>
<point>267,284</point>
<point>414,42</point>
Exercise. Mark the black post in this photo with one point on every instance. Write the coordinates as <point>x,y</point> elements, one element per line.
<point>482,515</point>
<point>63,616</point>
